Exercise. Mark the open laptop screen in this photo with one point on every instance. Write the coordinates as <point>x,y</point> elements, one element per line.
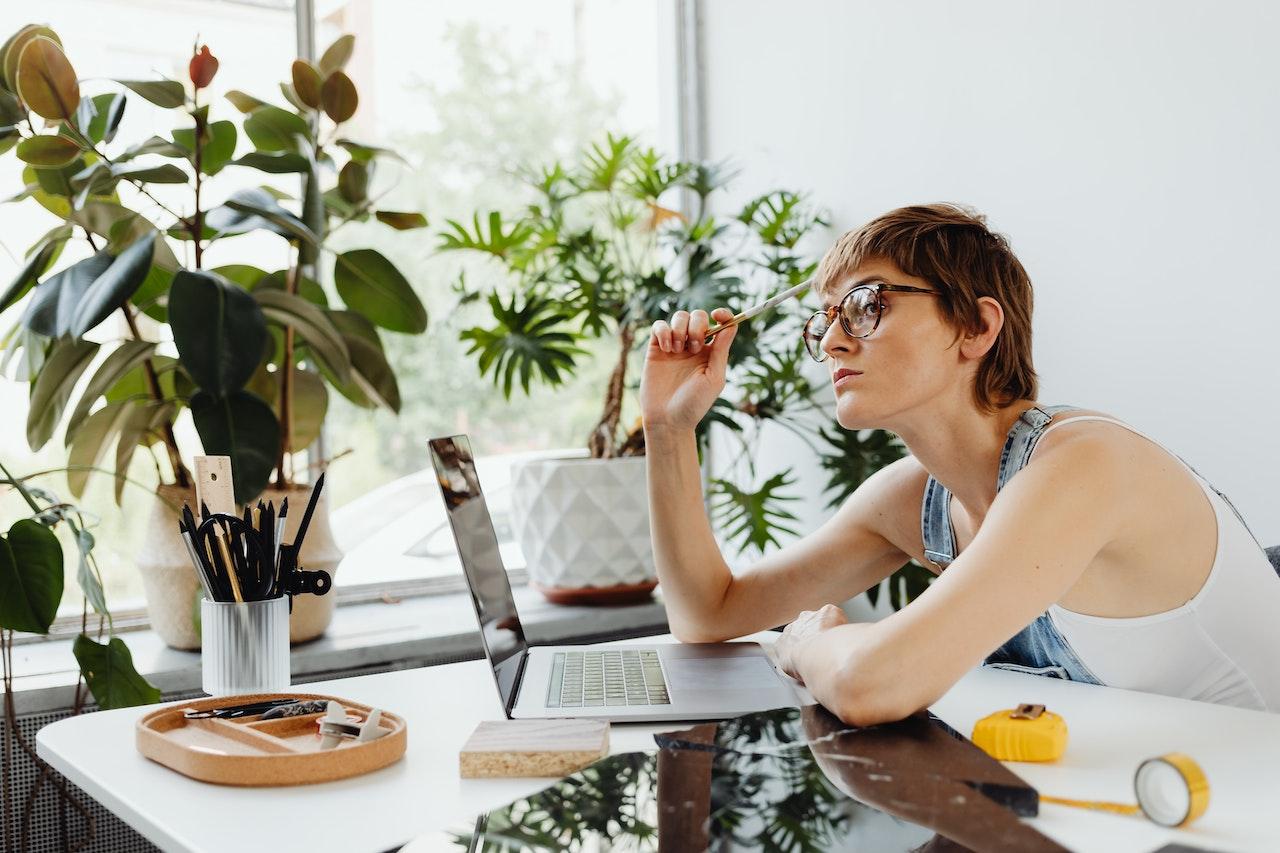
<point>500,628</point>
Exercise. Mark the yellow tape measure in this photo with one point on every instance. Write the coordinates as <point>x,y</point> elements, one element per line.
<point>1171,789</point>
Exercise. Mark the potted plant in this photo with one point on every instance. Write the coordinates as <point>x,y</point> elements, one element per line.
<point>597,255</point>
<point>31,586</point>
<point>254,351</point>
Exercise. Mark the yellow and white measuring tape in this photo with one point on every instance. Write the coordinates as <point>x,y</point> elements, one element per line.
<point>1171,789</point>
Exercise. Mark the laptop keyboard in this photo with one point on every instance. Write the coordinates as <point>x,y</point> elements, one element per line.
<point>598,679</point>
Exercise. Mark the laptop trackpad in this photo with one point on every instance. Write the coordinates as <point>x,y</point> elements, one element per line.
<point>721,673</point>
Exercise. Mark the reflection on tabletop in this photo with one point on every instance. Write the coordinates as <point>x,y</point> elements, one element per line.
<point>790,779</point>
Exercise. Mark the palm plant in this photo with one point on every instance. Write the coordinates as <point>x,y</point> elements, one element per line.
<point>601,251</point>
<point>254,350</point>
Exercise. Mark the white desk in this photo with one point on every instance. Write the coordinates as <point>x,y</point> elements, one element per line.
<point>1111,731</point>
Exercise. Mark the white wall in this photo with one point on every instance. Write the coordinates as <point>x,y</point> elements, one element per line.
<point>1131,151</point>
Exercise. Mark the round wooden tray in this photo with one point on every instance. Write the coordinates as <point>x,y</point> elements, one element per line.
<point>251,751</point>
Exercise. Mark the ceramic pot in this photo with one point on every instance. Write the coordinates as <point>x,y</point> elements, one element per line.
<point>168,578</point>
<point>170,581</point>
<point>583,526</point>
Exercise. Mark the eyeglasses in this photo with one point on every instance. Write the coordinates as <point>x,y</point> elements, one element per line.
<point>859,312</point>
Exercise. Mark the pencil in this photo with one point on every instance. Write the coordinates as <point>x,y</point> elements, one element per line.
<point>754,310</point>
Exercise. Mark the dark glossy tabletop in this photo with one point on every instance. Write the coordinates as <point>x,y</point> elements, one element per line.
<point>779,780</point>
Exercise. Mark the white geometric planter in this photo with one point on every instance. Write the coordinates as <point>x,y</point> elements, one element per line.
<point>583,526</point>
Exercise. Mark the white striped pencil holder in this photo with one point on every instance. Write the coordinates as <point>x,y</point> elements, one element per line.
<point>244,646</point>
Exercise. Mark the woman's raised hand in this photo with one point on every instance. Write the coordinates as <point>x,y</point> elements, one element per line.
<point>683,375</point>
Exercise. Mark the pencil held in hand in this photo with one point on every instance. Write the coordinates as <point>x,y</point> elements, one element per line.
<point>759,309</point>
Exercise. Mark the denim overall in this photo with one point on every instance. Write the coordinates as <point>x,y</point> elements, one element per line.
<point>1038,648</point>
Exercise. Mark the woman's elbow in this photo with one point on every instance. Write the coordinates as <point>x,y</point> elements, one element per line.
<point>869,695</point>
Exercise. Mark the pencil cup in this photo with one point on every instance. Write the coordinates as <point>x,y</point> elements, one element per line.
<point>245,647</point>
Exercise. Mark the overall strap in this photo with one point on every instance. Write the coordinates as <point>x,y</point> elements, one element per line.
<point>935,515</point>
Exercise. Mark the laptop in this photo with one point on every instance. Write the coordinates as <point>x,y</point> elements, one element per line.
<point>662,681</point>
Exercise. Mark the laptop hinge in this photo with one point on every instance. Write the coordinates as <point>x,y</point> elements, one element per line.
<point>515,693</point>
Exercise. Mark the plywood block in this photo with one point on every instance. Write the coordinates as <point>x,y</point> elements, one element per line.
<point>510,748</point>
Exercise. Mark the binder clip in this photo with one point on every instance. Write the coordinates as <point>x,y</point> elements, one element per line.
<point>336,724</point>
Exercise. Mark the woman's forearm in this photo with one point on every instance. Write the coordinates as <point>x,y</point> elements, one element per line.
<point>693,574</point>
<point>853,673</point>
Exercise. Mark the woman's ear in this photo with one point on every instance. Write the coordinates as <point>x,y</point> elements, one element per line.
<point>977,344</point>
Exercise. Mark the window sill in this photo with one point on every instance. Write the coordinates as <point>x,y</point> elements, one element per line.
<point>365,637</point>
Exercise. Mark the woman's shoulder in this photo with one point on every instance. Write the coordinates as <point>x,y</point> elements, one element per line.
<point>1097,434</point>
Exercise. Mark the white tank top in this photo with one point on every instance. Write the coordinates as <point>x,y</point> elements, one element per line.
<point>1221,646</point>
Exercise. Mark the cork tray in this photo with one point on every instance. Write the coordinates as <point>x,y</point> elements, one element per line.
<point>253,752</point>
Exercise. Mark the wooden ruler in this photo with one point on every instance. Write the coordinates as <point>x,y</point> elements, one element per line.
<point>214,486</point>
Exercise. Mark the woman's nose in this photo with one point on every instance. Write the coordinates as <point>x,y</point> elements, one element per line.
<point>835,341</point>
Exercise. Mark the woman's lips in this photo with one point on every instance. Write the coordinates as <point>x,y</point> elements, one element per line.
<point>844,375</point>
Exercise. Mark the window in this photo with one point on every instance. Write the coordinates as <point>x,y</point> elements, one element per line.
<point>466,92</point>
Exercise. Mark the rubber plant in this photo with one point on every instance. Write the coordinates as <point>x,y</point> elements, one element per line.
<point>600,252</point>
<point>31,587</point>
<point>254,351</point>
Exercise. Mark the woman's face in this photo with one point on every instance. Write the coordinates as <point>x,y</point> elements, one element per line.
<point>910,359</point>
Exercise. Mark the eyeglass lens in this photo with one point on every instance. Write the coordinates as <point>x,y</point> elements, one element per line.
<point>858,312</point>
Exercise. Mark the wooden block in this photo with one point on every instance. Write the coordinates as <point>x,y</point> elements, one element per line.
<point>510,748</point>
<point>214,486</point>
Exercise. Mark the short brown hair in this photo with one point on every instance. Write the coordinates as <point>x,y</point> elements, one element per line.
<point>951,247</point>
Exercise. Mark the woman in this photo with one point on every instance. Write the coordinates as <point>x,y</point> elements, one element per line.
<point>1106,559</point>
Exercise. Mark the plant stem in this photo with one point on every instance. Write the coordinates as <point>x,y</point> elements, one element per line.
<point>286,388</point>
<point>602,441</point>
<point>138,185</point>
<point>197,230</point>
<point>180,474</point>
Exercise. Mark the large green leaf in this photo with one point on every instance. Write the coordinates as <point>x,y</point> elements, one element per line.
<point>114,286</point>
<point>46,81</point>
<point>53,305</point>
<point>336,55</point>
<point>11,52</point>
<point>99,117</point>
<point>373,383</point>
<point>499,242</point>
<point>362,153</point>
<point>401,221</point>
<point>153,145</point>
<point>525,338</point>
<point>753,519</point>
<point>311,324</point>
<point>30,577</point>
<point>218,329</point>
<point>243,427</point>
<point>38,262</point>
<point>275,129</point>
<point>274,162</point>
<point>253,209</point>
<point>109,671</point>
<point>163,93</point>
<point>338,96</point>
<point>114,367</point>
<point>92,439</point>
<point>86,577</point>
<point>140,428</point>
<point>166,173</point>
<point>48,150</point>
<point>218,146</point>
<point>851,456</point>
<point>306,83</point>
<point>52,388</point>
<point>353,182</point>
<point>310,403</point>
<point>371,284</point>
<point>243,102</point>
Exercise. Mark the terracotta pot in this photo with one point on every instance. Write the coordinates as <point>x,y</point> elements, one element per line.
<point>583,526</point>
<point>173,590</point>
